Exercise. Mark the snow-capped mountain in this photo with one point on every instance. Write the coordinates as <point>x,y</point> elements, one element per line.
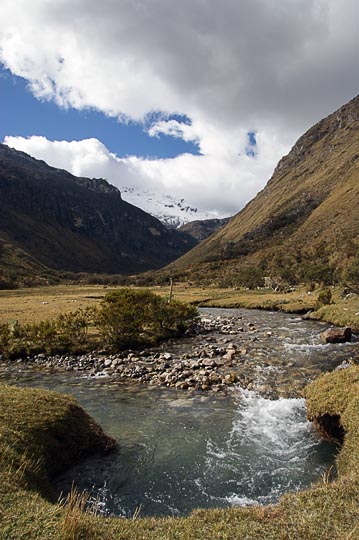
<point>171,211</point>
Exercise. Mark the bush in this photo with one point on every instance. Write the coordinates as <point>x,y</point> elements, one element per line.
<point>5,339</point>
<point>66,333</point>
<point>73,327</point>
<point>125,318</point>
<point>324,298</point>
<point>250,277</point>
<point>319,272</point>
<point>129,318</point>
<point>39,337</point>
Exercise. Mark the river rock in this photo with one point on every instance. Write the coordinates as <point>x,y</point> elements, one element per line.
<point>214,377</point>
<point>230,354</point>
<point>344,365</point>
<point>208,362</point>
<point>337,335</point>
<point>231,377</point>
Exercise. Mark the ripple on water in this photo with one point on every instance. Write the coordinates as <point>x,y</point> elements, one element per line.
<point>242,450</point>
<point>180,452</point>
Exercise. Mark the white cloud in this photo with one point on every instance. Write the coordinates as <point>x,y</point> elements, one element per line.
<point>208,182</point>
<point>231,67</point>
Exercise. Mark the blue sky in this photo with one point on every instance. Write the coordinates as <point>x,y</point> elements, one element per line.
<point>227,106</point>
<point>23,115</point>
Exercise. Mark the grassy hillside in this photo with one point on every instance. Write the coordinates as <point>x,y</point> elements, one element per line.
<point>19,269</point>
<point>304,224</point>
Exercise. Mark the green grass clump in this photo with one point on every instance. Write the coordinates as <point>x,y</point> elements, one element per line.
<point>38,427</point>
<point>46,431</point>
<point>337,395</point>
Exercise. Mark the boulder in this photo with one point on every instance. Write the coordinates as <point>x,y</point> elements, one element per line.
<point>337,335</point>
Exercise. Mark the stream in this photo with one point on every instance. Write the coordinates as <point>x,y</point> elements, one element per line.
<point>180,450</point>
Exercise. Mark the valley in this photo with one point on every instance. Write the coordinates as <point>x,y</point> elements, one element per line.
<point>202,410</point>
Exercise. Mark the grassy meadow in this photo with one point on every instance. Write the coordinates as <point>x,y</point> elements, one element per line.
<point>44,303</point>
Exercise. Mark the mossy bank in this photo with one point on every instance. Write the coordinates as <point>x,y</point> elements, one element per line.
<point>42,432</point>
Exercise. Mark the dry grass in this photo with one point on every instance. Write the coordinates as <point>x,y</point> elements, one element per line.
<point>33,305</point>
<point>74,511</point>
<point>44,303</point>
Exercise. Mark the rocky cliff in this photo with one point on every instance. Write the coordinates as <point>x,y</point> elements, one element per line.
<point>78,224</point>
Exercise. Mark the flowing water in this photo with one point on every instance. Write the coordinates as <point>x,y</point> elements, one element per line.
<point>179,451</point>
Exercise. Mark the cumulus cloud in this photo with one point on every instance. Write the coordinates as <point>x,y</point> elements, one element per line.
<point>231,67</point>
<point>206,181</point>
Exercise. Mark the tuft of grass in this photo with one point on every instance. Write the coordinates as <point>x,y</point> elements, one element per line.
<point>75,507</point>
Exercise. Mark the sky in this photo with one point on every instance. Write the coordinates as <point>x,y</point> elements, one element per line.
<point>197,98</point>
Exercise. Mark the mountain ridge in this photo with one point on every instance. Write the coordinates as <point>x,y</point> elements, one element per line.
<point>171,211</point>
<point>78,224</point>
<point>306,214</point>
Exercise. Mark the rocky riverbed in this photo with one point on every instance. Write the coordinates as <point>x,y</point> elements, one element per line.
<point>274,354</point>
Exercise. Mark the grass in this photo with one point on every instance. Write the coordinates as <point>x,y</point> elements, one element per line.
<point>36,304</point>
<point>36,425</point>
<point>126,318</point>
<point>40,303</point>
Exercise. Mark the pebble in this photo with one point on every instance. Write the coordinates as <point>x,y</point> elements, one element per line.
<point>217,360</point>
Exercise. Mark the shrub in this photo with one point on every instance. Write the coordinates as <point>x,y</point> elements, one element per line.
<point>319,272</point>
<point>125,318</point>
<point>324,298</point>
<point>129,318</point>
<point>73,327</point>
<point>5,339</point>
<point>39,337</point>
<point>250,277</point>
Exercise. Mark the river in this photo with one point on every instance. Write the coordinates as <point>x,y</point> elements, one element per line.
<point>180,450</point>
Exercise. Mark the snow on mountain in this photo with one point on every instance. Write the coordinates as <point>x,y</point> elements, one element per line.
<point>171,211</point>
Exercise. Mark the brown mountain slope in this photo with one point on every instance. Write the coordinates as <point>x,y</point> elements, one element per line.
<point>304,224</point>
<point>76,224</point>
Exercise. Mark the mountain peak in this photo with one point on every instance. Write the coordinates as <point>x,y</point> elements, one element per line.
<point>173,212</point>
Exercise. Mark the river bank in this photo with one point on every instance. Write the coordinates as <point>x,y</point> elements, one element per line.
<point>278,353</point>
<point>274,353</point>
